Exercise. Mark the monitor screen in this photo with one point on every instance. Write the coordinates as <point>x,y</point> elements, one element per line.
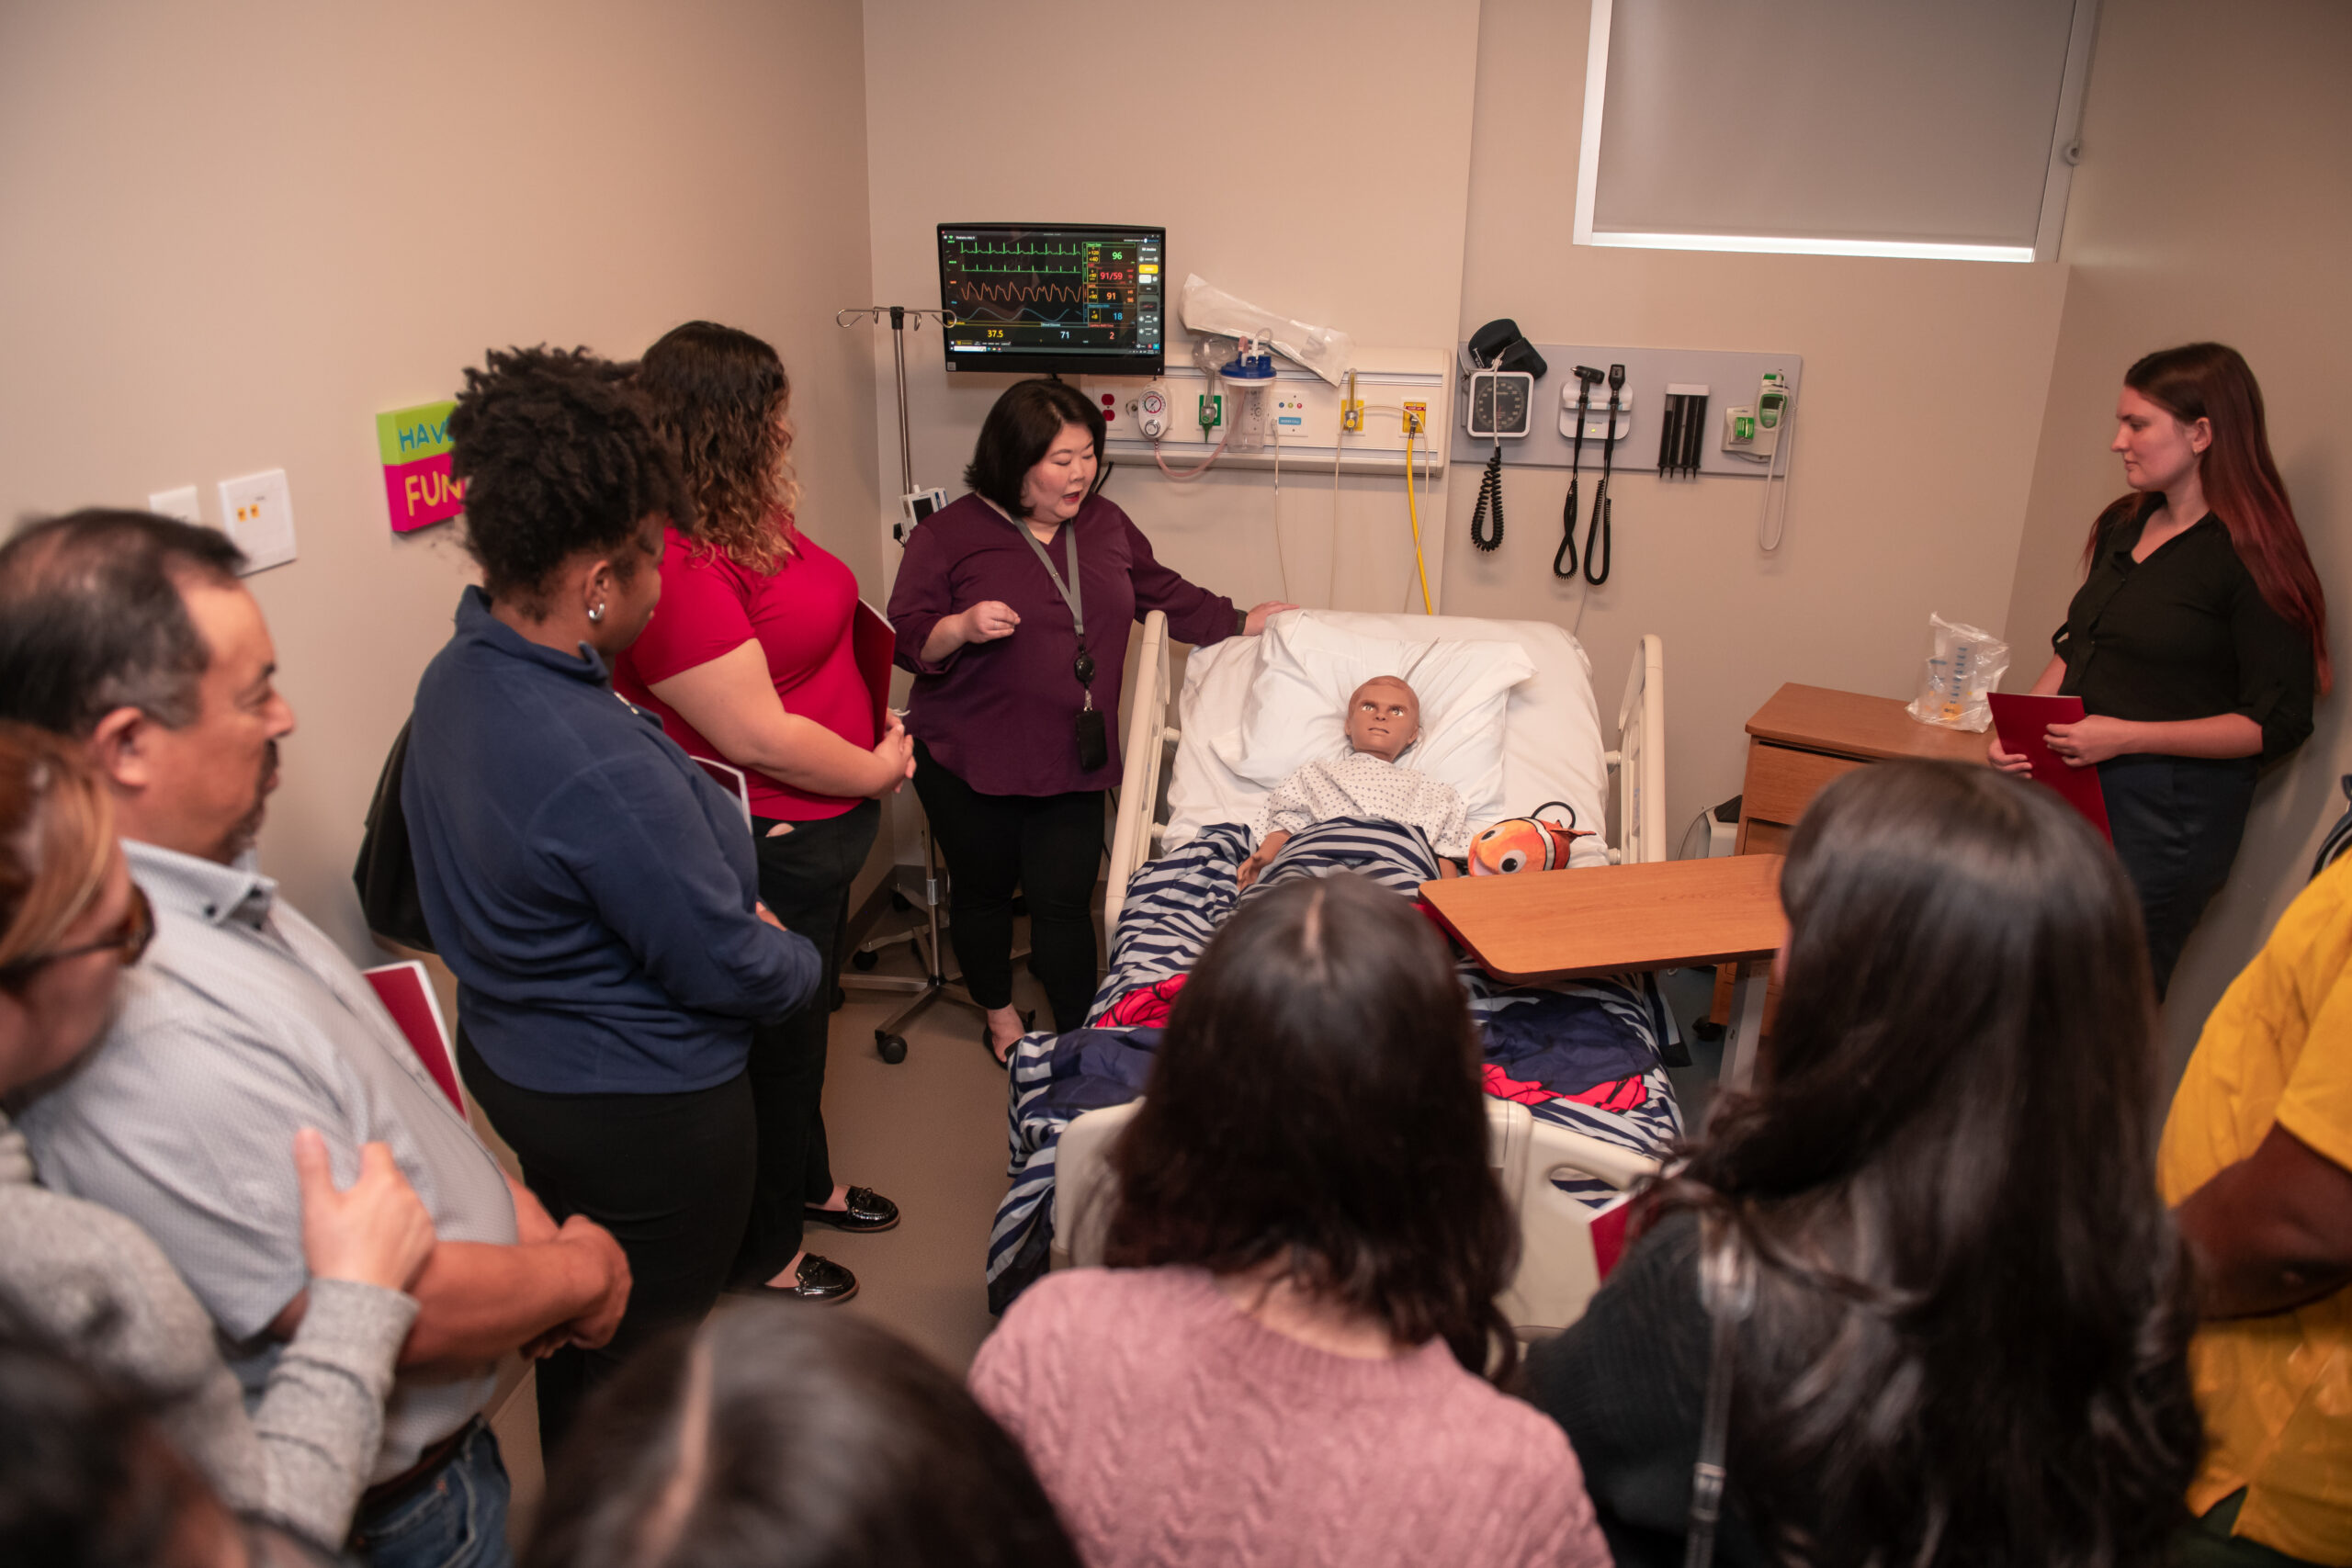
<point>1032,298</point>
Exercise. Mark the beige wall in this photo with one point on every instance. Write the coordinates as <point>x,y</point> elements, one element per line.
<point>1309,158</point>
<point>236,231</point>
<point>1898,507</point>
<point>2214,200</point>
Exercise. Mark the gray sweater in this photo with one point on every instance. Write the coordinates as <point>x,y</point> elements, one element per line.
<point>93,1279</point>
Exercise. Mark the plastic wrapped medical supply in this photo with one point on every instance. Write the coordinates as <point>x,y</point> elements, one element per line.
<point>1206,308</point>
<point>1964,663</point>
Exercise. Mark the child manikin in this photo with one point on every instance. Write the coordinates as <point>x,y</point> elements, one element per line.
<point>1384,718</point>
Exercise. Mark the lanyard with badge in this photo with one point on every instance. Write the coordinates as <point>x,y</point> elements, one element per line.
<point>1094,743</point>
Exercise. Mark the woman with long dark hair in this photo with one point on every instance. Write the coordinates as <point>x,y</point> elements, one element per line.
<point>1970,1312</point>
<point>1287,1359</point>
<point>752,661</point>
<point>2197,638</point>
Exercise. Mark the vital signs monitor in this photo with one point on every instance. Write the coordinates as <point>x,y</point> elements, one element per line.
<point>1029,299</point>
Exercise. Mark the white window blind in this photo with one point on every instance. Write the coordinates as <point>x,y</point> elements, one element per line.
<point>1844,127</point>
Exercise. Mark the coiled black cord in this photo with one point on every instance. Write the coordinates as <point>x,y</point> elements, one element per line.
<point>1490,493</point>
<point>1567,550</point>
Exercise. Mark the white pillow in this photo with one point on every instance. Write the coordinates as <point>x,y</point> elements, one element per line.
<point>1296,712</point>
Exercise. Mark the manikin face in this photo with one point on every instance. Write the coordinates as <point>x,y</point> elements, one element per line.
<point>1056,488</point>
<point>2158,450</point>
<point>1384,718</point>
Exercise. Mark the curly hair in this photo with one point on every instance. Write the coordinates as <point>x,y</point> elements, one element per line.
<point>558,455</point>
<point>718,397</point>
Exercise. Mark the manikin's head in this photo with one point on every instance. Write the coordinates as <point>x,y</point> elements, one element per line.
<point>1384,718</point>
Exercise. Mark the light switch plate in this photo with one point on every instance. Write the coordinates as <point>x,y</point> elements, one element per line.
<point>178,503</point>
<point>258,515</point>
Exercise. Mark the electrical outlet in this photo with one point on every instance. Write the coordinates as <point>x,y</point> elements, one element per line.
<point>179,503</point>
<point>257,511</point>
<point>1417,419</point>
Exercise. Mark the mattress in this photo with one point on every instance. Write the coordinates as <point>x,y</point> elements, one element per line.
<point>1551,741</point>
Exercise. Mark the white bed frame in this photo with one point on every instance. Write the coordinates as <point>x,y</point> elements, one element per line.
<point>1639,763</point>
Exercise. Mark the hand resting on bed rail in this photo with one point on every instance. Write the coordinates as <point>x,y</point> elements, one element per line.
<point>1383,720</point>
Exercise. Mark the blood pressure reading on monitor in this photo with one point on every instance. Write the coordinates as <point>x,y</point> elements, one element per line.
<point>1032,298</point>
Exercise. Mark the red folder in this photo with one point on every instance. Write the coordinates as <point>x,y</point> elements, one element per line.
<point>408,996</point>
<point>876,646</point>
<point>2023,722</point>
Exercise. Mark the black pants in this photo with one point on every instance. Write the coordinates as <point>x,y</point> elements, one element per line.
<point>669,1175</point>
<point>804,880</point>
<point>1049,846</point>
<point>2176,822</point>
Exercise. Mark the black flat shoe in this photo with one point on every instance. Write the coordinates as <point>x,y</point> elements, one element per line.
<point>868,1210</point>
<point>987,1038</point>
<point>818,1280</point>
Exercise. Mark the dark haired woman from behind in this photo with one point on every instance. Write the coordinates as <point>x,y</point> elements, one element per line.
<point>773,1438</point>
<point>753,660</point>
<point>1970,1311</point>
<point>594,890</point>
<point>1286,1361</point>
<point>1012,606</point>
<point>2197,638</point>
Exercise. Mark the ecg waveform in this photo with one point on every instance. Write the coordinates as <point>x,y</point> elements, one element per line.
<point>1024,292</point>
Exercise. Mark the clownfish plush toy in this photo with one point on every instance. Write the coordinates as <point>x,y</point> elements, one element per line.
<point>1525,844</point>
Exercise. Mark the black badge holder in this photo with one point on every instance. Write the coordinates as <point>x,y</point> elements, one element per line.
<point>1093,737</point>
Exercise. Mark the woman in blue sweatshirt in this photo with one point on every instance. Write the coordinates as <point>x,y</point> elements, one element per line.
<point>594,891</point>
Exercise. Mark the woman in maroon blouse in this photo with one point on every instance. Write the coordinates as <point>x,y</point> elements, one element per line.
<point>748,659</point>
<point>1015,712</point>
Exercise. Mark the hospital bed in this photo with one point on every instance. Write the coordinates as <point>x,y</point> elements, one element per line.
<point>1180,783</point>
<point>1552,745</point>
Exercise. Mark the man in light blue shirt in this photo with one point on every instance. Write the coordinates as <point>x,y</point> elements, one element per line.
<point>132,634</point>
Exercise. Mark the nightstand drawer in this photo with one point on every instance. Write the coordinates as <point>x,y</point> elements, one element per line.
<point>1782,780</point>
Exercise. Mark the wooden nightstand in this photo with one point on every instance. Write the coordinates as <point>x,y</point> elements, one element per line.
<point>1804,737</point>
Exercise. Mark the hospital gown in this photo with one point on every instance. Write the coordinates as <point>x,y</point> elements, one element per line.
<point>1360,785</point>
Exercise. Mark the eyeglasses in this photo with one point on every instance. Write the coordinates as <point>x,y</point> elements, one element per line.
<point>127,942</point>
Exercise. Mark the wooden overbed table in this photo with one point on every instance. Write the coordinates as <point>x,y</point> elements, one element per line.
<point>1560,925</point>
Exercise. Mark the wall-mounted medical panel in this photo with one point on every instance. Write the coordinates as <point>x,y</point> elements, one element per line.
<point>1301,412</point>
<point>1731,380</point>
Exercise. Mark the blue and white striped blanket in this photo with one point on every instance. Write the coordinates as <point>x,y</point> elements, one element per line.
<point>1541,1043</point>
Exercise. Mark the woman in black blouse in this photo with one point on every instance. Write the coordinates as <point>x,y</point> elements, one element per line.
<point>2198,637</point>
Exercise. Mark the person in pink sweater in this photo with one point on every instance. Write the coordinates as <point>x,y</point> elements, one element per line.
<point>1283,1364</point>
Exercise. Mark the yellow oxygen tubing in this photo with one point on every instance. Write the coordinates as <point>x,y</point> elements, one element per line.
<point>1413,512</point>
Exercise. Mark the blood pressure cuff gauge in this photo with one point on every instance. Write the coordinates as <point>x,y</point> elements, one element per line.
<point>1501,386</point>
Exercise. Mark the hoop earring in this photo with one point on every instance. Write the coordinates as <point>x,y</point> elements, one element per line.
<point>596,615</point>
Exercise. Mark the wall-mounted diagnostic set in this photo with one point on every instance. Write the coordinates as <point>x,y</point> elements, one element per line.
<point>1603,394</point>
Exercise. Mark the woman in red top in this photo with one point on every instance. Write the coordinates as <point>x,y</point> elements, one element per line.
<point>750,660</point>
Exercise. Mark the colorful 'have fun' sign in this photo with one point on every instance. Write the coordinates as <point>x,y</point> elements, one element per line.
<point>417,486</point>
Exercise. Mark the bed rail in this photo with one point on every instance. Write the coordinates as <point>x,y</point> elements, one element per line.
<point>1147,735</point>
<point>1640,758</point>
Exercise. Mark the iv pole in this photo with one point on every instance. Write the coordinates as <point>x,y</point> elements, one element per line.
<point>889,1043</point>
<point>897,315</point>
